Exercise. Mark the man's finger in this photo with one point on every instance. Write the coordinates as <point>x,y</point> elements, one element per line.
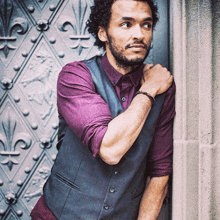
<point>148,66</point>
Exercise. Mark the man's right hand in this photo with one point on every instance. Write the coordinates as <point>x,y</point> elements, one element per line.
<point>156,79</point>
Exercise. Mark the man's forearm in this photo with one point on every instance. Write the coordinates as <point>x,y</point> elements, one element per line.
<point>153,197</point>
<point>124,129</point>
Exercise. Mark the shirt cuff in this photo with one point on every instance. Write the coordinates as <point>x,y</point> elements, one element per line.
<point>160,168</point>
<point>96,142</point>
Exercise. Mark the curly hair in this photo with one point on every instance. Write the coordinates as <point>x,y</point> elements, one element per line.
<point>101,14</point>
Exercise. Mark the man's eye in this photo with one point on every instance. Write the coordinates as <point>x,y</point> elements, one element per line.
<point>126,24</point>
<point>148,25</point>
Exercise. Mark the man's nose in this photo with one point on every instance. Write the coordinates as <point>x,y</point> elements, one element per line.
<point>137,33</point>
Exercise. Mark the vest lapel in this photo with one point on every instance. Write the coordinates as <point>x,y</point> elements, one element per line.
<point>104,86</point>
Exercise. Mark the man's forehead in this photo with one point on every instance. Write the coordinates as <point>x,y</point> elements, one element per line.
<point>130,1</point>
<point>123,7</point>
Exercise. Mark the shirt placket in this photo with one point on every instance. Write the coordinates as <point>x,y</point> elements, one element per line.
<point>126,89</point>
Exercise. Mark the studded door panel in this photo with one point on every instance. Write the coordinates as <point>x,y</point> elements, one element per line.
<point>37,38</point>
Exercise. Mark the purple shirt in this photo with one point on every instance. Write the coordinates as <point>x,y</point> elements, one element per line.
<point>88,115</point>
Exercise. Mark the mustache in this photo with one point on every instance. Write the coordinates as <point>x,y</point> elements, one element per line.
<point>137,44</point>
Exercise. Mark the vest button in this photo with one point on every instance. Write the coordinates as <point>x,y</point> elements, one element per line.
<point>106,207</point>
<point>111,190</point>
<point>116,173</point>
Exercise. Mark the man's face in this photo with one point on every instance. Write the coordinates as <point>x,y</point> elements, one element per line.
<point>129,33</point>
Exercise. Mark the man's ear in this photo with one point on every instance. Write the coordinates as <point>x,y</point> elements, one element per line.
<point>102,34</point>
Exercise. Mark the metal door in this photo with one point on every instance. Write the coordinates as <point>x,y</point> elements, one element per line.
<point>37,38</point>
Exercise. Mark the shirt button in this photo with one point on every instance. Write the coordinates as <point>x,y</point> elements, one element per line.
<point>125,79</point>
<point>116,172</point>
<point>123,99</point>
<point>113,82</point>
<point>112,190</point>
<point>106,207</point>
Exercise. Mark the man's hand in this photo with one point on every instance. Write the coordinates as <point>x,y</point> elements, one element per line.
<point>156,79</point>
<point>124,129</point>
<point>152,200</point>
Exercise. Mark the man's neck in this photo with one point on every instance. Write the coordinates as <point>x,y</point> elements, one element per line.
<point>123,69</point>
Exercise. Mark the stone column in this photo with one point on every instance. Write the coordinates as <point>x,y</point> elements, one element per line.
<point>195,57</point>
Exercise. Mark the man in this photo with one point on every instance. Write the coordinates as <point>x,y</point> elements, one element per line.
<point>116,124</point>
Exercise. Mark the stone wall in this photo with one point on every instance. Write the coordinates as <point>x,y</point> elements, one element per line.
<point>195,57</point>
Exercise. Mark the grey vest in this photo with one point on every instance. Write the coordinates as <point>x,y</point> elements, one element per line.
<point>83,187</point>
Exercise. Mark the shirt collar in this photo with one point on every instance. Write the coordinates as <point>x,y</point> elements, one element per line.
<point>115,76</point>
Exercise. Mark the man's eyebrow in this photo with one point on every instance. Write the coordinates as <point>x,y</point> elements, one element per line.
<point>148,19</point>
<point>132,19</point>
<point>127,18</point>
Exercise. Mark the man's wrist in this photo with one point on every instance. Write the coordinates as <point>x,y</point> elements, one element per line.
<point>152,99</point>
<point>149,89</point>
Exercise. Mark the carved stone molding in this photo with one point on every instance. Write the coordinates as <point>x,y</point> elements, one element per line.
<point>196,152</point>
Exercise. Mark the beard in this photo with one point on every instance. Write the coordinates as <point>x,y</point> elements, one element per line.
<point>121,60</point>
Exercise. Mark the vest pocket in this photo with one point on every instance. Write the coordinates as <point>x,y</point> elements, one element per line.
<point>138,194</point>
<point>139,190</point>
<point>134,206</point>
<point>66,181</point>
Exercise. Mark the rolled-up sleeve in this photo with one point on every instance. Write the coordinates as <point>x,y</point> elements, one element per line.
<point>160,154</point>
<point>86,113</point>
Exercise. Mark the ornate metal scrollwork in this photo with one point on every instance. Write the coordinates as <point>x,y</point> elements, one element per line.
<point>44,74</point>
<point>7,24</point>
<point>2,212</point>
<point>45,143</point>
<point>6,83</point>
<point>42,25</point>
<point>77,24</point>
<point>10,198</point>
<point>9,140</point>
<point>36,187</point>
